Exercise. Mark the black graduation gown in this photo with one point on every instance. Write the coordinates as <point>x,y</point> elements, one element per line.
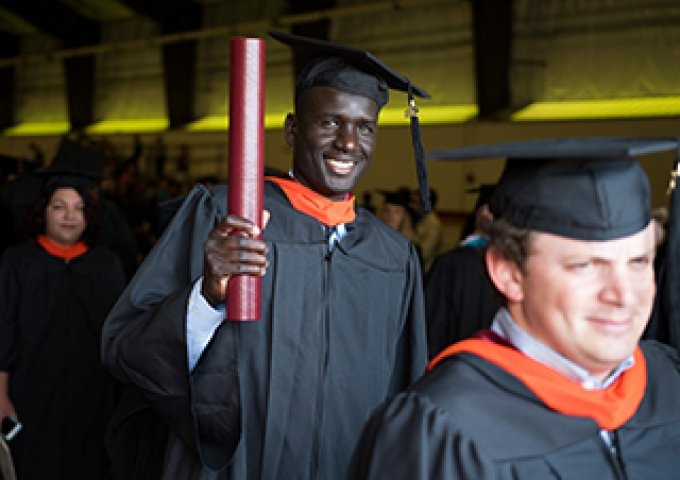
<point>285,396</point>
<point>470,420</point>
<point>50,329</point>
<point>459,298</point>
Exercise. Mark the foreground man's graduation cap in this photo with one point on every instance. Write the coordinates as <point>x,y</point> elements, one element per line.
<point>589,188</point>
<point>358,72</point>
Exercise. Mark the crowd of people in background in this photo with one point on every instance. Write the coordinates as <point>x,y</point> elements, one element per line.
<point>137,194</point>
<point>401,210</point>
<point>132,185</point>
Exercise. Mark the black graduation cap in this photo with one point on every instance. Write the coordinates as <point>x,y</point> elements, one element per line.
<point>8,165</point>
<point>345,68</point>
<point>483,191</point>
<point>359,72</point>
<point>74,165</point>
<point>400,196</point>
<point>585,188</point>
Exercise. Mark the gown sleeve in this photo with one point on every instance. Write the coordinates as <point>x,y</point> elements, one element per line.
<point>144,338</point>
<point>410,438</point>
<point>412,345</point>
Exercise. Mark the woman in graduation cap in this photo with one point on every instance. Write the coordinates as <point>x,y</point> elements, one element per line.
<point>55,290</point>
<point>560,386</point>
<point>342,327</point>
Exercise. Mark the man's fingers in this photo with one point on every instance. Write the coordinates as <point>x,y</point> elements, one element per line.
<point>231,223</point>
<point>236,244</point>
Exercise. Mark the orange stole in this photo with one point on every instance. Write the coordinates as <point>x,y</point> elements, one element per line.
<point>610,407</point>
<point>307,201</point>
<point>64,252</point>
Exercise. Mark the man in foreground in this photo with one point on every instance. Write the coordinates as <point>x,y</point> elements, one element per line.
<point>559,386</point>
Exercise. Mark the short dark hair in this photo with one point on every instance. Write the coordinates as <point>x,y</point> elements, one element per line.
<point>510,242</point>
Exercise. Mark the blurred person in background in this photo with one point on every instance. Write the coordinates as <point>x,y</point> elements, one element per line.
<point>56,289</point>
<point>428,229</point>
<point>459,296</point>
<point>397,212</point>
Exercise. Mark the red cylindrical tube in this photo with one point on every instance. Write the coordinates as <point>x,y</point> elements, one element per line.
<point>246,160</point>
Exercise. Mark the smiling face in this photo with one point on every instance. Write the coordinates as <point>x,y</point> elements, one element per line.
<point>588,300</point>
<point>333,135</point>
<point>65,217</point>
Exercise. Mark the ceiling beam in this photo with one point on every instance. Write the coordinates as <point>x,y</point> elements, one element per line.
<point>171,15</point>
<point>316,28</point>
<point>492,23</point>
<point>9,47</point>
<point>179,59</point>
<point>226,31</point>
<point>72,30</point>
<point>57,20</point>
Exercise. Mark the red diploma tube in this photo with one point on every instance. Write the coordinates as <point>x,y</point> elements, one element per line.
<point>246,160</point>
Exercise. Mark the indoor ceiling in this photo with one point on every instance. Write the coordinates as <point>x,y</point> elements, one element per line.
<point>77,26</point>
<point>76,23</point>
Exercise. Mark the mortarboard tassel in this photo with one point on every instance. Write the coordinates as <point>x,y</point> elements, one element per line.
<point>421,168</point>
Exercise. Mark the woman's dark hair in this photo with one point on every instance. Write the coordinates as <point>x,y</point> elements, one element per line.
<point>34,224</point>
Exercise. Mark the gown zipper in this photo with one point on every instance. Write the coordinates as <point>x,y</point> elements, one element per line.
<point>323,360</point>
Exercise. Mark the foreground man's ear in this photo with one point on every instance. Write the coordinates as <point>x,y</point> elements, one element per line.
<point>505,275</point>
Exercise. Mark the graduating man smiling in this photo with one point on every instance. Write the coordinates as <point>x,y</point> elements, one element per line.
<point>342,325</point>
